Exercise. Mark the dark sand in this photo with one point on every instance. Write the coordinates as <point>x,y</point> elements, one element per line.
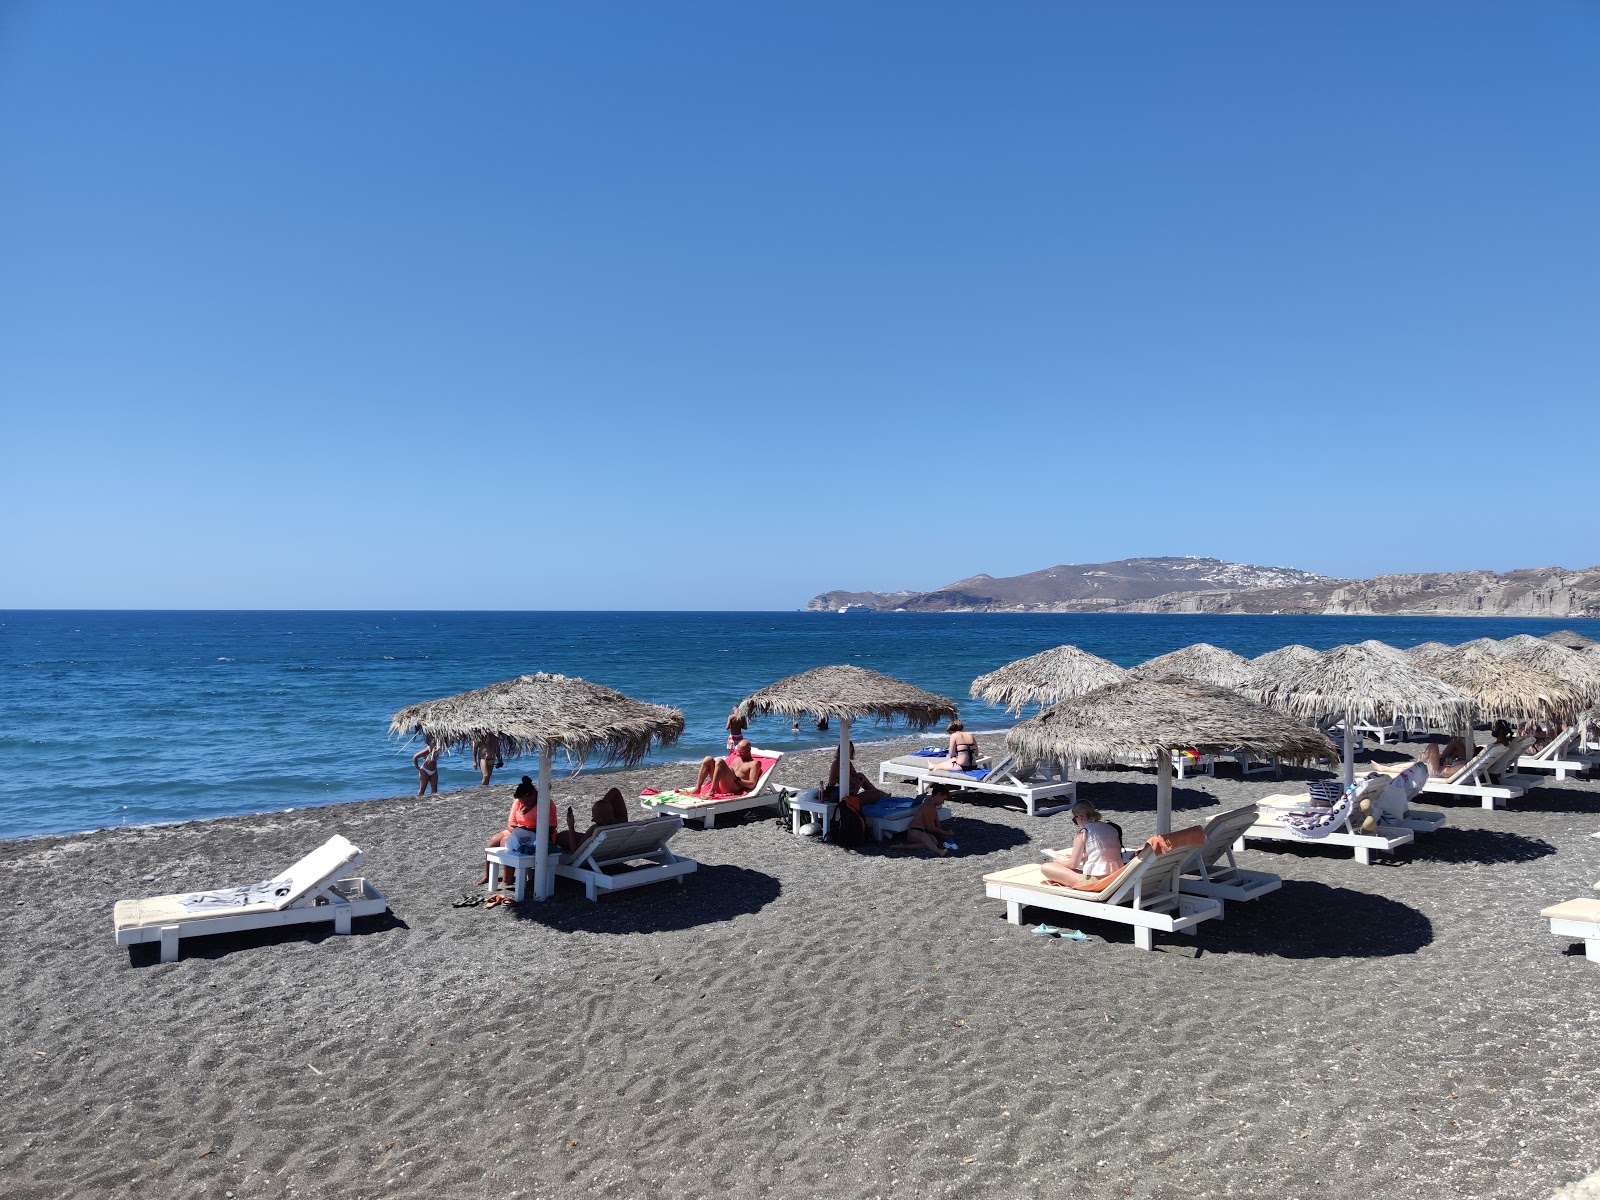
<point>806,1020</point>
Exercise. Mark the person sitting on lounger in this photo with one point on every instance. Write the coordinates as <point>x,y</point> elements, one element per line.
<point>725,780</point>
<point>860,785</point>
<point>1445,760</point>
<point>610,809</point>
<point>1095,853</point>
<point>522,827</point>
<point>962,750</point>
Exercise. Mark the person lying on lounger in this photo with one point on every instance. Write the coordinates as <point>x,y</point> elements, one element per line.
<point>860,785</point>
<point>1096,850</point>
<point>1445,760</point>
<point>610,809</point>
<point>726,780</point>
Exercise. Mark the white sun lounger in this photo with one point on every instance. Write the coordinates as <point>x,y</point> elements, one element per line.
<point>1559,756</point>
<point>1004,778</point>
<point>608,847</point>
<point>1270,826</point>
<point>1475,777</point>
<point>1385,731</point>
<point>1144,896</point>
<point>1212,871</point>
<point>1578,918</point>
<point>308,892</point>
<point>706,811</point>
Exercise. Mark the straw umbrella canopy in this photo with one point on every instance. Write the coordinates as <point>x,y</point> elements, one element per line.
<point>1503,687</point>
<point>1045,678</point>
<point>1363,684</point>
<point>1283,657</point>
<point>1553,659</point>
<point>545,713</point>
<point>846,694</point>
<point>1151,717</point>
<point>1425,650</point>
<point>1571,639</point>
<point>1383,648</point>
<point>1201,663</point>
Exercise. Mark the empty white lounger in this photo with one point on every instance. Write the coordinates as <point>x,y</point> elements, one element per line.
<point>1578,918</point>
<point>1212,870</point>
<point>1144,895</point>
<point>310,891</point>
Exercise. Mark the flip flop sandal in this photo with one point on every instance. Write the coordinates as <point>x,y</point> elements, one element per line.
<point>467,900</point>
<point>1047,931</point>
<point>1076,935</point>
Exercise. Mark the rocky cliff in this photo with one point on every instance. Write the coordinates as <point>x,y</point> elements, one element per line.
<point>1210,585</point>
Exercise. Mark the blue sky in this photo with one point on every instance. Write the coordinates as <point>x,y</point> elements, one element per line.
<point>703,305</point>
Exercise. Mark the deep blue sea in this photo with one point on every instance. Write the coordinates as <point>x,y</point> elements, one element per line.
<point>112,718</point>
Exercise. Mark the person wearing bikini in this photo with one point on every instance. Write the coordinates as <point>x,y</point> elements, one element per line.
<point>426,762</point>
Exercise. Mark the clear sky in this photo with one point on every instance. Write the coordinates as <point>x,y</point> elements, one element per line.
<point>719,305</point>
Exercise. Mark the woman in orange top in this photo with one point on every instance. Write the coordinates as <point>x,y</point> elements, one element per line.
<point>522,828</point>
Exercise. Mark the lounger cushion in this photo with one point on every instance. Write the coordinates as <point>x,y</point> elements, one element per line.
<point>1582,909</point>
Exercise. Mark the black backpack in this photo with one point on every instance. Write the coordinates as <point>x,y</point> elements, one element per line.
<point>849,826</point>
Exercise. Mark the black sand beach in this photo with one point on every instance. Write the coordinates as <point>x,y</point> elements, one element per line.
<point>802,1019</point>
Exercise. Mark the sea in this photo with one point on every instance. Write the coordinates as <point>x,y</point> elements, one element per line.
<point>133,718</point>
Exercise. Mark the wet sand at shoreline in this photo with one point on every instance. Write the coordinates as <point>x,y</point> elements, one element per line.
<point>804,1019</point>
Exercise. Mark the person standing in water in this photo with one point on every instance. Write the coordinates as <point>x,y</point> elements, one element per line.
<point>736,727</point>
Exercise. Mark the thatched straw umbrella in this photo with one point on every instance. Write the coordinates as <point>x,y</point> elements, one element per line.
<point>1283,656</point>
<point>1151,717</point>
<point>1200,663</point>
<point>1553,659</point>
<point>1045,678</point>
<point>1502,687</point>
<point>1377,647</point>
<point>1363,684</point>
<point>1425,650</point>
<point>545,713</point>
<point>1571,639</point>
<point>848,694</point>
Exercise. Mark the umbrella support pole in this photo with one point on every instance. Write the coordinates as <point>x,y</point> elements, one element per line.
<point>543,880</point>
<point>844,757</point>
<point>1349,747</point>
<point>1163,791</point>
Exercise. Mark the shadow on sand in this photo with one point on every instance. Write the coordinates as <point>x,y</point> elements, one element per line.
<point>711,895</point>
<point>220,945</point>
<point>1313,920</point>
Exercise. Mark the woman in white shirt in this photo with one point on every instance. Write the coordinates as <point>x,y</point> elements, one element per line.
<point>1096,851</point>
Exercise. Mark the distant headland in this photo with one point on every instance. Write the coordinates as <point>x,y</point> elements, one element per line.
<point>1212,585</point>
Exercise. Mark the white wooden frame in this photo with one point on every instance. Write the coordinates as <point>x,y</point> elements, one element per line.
<point>1146,896</point>
<point>1551,757</point>
<point>320,899</point>
<point>609,846</point>
<point>1473,779</point>
<point>1577,919</point>
<point>1206,873</point>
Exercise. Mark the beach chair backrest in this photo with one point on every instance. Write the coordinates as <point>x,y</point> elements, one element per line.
<point>1505,757</point>
<point>1557,746</point>
<point>292,886</point>
<point>1132,873</point>
<point>1160,876</point>
<point>775,757</point>
<point>1469,768</point>
<point>618,843</point>
<point>1224,829</point>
